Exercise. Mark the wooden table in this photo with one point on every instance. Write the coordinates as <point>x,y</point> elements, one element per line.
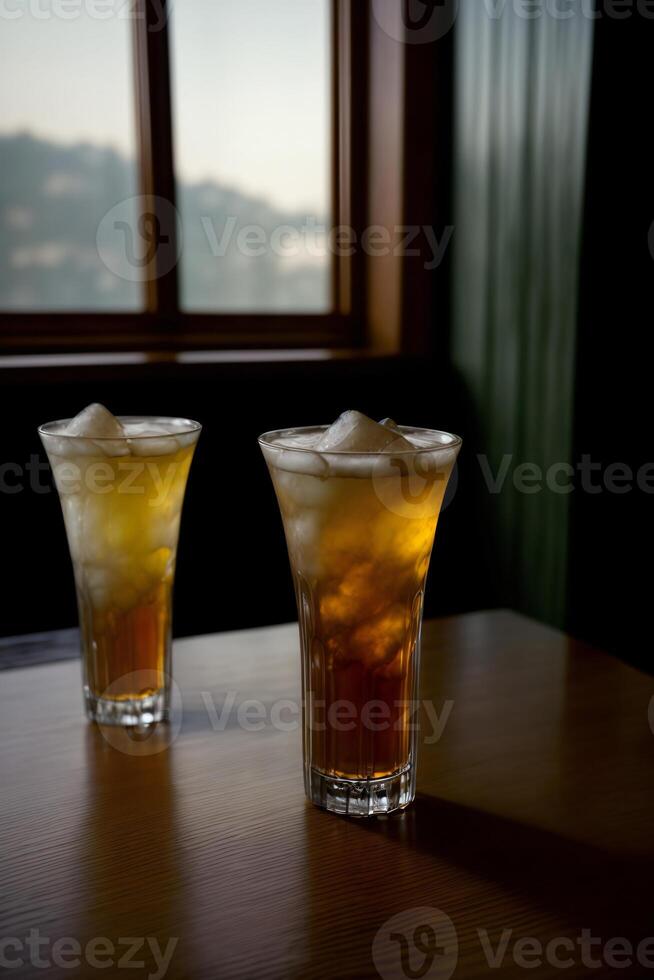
<point>535,818</point>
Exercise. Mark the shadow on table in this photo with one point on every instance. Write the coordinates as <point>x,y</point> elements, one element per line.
<point>132,881</point>
<point>585,884</point>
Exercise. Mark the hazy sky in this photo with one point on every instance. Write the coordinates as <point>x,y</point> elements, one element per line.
<point>251,93</point>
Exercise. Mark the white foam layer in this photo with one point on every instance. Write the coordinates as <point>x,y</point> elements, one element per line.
<point>95,432</point>
<point>407,450</point>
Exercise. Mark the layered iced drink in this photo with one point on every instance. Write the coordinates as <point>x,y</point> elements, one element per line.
<point>121,482</point>
<point>360,501</point>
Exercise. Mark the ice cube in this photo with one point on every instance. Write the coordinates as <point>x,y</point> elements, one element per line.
<point>95,422</point>
<point>356,433</point>
<point>95,428</point>
<point>151,437</point>
<point>150,446</point>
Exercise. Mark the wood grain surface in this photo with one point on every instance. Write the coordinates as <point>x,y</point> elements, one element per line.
<point>534,819</point>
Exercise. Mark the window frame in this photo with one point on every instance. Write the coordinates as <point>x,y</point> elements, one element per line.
<point>392,124</point>
<point>163,323</point>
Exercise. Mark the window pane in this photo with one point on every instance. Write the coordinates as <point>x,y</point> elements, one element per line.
<point>67,155</point>
<point>253,148</point>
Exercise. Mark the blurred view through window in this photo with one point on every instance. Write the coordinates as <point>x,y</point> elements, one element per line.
<point>67,155</point>
<point>252,131</point>
<point>251,94</point>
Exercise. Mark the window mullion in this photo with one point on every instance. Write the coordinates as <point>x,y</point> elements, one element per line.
<point>157,216</point>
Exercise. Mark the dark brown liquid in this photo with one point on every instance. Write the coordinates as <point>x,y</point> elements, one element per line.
<point>361,689</point>
<point>126,650</point>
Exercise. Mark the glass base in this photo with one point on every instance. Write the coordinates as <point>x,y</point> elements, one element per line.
<point>361,797</point>
<point>128,712</point>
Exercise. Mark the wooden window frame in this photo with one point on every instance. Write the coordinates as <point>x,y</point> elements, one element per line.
<point>386,171</point>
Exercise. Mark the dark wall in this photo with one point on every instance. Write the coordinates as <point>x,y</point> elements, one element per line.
<point>232,568</point>
<point>612,537</point>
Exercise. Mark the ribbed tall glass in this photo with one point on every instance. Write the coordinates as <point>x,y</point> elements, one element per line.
<point>360,529</point>
<point>122,503</point>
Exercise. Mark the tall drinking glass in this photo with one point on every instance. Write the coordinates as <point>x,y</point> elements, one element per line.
<point>122,502</point>
<point>360,528</point>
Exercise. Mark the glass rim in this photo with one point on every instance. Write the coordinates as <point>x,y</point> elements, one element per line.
<point>190,426</point>
<point>265,440</point>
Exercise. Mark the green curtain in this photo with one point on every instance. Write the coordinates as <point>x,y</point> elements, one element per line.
<point>522,89</point>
